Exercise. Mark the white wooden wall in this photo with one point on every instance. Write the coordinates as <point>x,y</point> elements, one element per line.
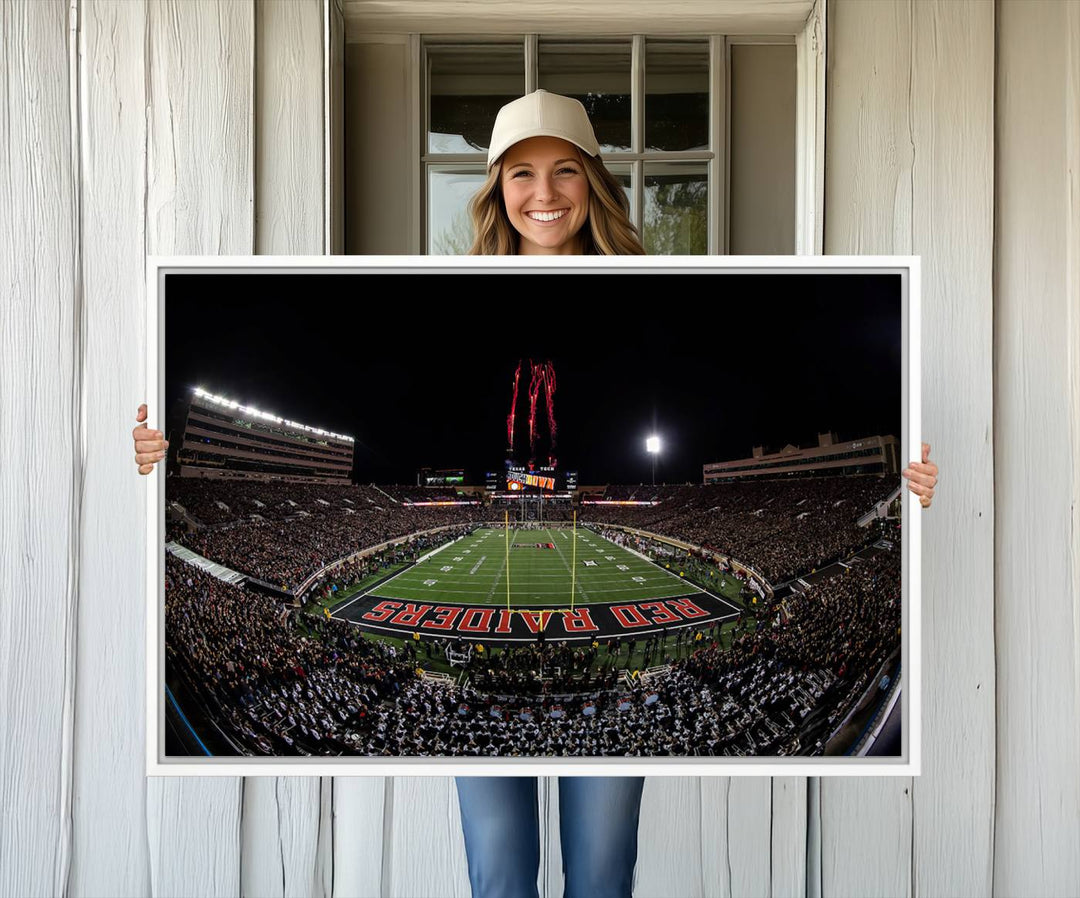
<point>909,150</point>
<point>1037,449</point>
<point>200,127</point>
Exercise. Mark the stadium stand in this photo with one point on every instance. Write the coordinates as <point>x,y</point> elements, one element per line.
<point>325,688</point>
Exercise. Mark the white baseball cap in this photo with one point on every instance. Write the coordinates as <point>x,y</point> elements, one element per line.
<point>541,114</point>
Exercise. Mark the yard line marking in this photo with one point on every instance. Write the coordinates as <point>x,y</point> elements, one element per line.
<point>584,594</point>
<point>652,594</point>
<point>502,567</point>
<point>532,582</point>
<point>476,566</point>
<point>367,591</point>
<point>663,570</point>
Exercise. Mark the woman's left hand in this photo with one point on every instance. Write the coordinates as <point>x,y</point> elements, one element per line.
<point>922,477</point>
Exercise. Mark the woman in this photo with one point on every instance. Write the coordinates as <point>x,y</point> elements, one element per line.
<point>547,193</point>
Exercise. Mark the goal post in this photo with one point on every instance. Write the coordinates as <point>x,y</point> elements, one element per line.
<point>573,560</point>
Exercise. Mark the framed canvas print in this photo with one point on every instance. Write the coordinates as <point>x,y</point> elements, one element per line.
<point>501,515</point>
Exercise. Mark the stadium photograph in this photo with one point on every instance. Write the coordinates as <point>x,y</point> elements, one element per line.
<point>495,516</point>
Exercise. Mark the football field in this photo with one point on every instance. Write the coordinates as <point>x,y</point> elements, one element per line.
<point>542,569</point>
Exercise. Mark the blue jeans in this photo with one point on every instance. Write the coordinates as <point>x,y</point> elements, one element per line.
<point>598,821</point>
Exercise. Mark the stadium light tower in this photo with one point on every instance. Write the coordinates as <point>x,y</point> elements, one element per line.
<point>652,446</point>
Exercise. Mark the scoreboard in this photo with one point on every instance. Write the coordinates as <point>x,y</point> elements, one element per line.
<point>532,479</point>
<point>441,477</point>
<point>538,479</point>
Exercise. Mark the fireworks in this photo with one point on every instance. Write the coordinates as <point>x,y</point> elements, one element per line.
<point>542,378</point>
<point>510,417</point>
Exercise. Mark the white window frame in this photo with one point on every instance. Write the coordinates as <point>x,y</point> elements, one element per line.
<point>809,42</point>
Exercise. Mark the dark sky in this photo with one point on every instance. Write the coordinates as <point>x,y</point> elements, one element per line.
<point>419,367</point>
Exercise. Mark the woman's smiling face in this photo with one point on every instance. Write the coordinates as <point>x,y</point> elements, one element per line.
<point>546,195</point>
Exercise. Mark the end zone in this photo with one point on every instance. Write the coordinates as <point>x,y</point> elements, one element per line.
<point>583,623</point>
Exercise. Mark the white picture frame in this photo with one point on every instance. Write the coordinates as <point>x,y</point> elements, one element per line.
<point>909,762</point>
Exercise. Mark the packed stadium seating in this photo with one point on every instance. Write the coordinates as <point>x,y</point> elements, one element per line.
<point>283,533</point>
<point>777,690</point>
<point>781,528</point>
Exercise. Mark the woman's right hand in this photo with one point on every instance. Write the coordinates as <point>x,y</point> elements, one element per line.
<point>150,445</point>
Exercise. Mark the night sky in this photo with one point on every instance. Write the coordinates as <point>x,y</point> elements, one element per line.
<point>714,363</point>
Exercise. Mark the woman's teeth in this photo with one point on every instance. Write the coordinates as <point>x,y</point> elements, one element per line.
<point>546,216</point>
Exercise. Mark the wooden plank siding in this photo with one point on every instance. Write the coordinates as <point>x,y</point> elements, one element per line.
<point>909,149</point>
<point>283,816</point>
<point>41,445</point>
<point>199,196</point>
<point>110,787</point>
<point>909,170</point>
<point>1037,372</point>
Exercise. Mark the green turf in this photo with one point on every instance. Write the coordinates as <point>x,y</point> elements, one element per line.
<point>343,595</point>
<point>474,570</point>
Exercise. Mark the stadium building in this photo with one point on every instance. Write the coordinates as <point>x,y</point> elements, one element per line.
<point>869,455</point>
<point>224,439</point>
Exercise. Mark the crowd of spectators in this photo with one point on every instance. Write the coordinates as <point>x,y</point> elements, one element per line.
<point>781,528</point>
<point>333,691</point>
<point>542,670</point>
<point>276,687</point>
<point>532,514</point>
<point>283,533</point>
<point>214,501</point>
<point>642,492</point>
<point>840,631</point>
<point>408,494</point>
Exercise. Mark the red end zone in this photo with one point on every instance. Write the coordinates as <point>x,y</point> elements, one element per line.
<point>492,623</point>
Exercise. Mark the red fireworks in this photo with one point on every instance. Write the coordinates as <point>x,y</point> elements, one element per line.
<point>542,378</point>
<point>510,417</point>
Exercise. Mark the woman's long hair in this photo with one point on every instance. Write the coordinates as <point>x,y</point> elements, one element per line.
<point>607,232</point>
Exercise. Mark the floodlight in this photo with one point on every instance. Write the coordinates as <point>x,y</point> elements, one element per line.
<point>652,446</point>
<point>268,416</point>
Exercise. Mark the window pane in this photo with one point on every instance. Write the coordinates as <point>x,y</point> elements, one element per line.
<point>449,191</point>
<point>597,74</point>
<point>623,174</point>
<point>676,209</point>
<point>467,86</point>
<point>676,95</point>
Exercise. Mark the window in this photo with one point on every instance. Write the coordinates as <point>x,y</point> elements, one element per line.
<point>660,108</point>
